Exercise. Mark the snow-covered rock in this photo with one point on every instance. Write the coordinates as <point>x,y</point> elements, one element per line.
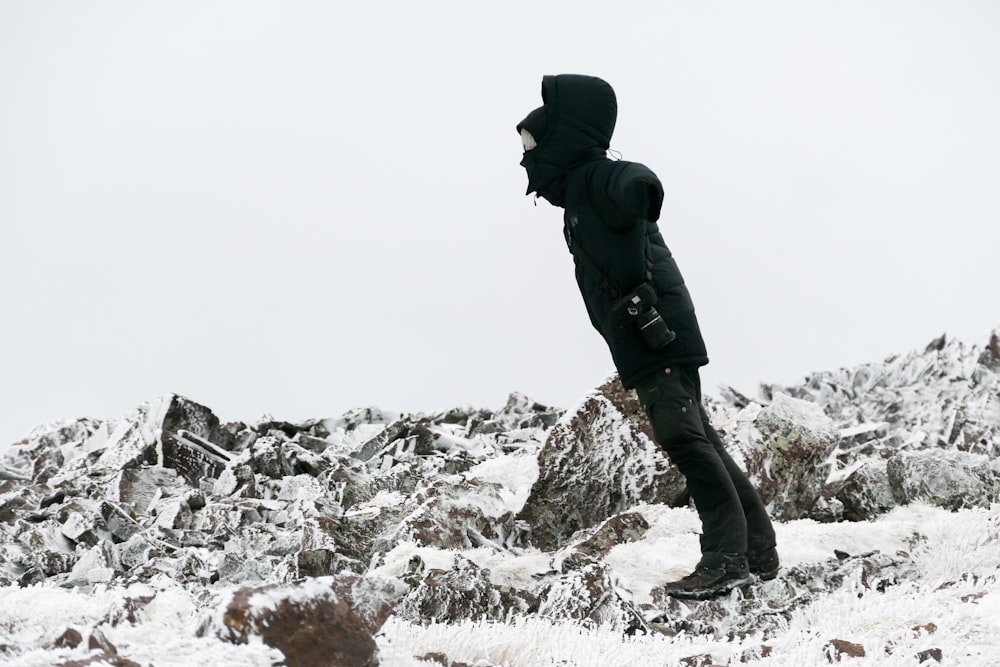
<point>474,516</point>
<point>598,460</point>
<point>783,447</point>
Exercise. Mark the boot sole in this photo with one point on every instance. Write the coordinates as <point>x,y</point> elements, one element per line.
<point>706,593</point>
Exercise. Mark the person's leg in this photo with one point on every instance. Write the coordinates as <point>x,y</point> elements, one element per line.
<point>674,411</point>
<point>671,402</point>
<point>761,541</point>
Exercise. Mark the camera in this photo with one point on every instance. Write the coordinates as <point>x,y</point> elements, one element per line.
<point>638,305</point>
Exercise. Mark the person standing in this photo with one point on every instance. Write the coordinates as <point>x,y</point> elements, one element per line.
<point>636,298</point>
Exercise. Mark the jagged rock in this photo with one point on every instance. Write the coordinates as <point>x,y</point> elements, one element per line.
<point>947,395</point>
<point>588,592</point>
<point>134,439</point>
<point>867,492</point>
<point>193,457</point>
<point>755,653</point>
<point>619,529</point>
<point>10,474</point>
<point>40,451</point>
<point>990,357</point>
<point>597,461</point>
<point>114,445</point>
<point>132,554</point>
<point>401,429</point>
<point>949,479</point>
<point>462,593</point>
<point>461,515</point>
<point>277,458</point>
<point>46,551</point>
<point>784,448</point>
<point>81,521</point>
<point>308,622</point>
<point>119,521</point>
<point>139,487</point>
<point>934,654</point>
<point>700,660</point>
<point>827,508</point>
<point>99,642</point>
<point>111,502</point>
<point>71,638</point>
<point>521,412</point>
<point>16,502</point>
<point>95,565</point>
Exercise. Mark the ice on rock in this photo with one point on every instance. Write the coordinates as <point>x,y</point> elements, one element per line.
<point>520,536</point>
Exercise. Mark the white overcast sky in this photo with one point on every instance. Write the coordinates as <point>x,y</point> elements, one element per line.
<point>297,208</point>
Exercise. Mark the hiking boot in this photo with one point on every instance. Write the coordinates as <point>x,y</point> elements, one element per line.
<point>764,564</point>
<point>715,574</point>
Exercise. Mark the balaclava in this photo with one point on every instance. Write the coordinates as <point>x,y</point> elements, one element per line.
<point>535,124</point>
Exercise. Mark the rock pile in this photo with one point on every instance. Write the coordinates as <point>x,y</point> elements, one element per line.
<point>289,528</point>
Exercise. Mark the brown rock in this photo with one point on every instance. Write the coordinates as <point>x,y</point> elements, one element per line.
<point>930,654</point>
<point>99,642</point>
<point>309,623</point>
<point>839,649</point>
<point>69,639</point>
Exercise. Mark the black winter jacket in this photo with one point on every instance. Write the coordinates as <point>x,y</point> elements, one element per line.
<point>610,213</point>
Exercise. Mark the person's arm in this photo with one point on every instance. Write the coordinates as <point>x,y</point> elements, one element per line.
<point>635,192</point>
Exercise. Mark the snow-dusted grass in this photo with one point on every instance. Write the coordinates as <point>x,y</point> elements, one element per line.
<point>958,561</point>
<point>957,592</point>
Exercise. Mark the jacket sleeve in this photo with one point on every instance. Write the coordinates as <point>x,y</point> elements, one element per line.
<point>636,194</point>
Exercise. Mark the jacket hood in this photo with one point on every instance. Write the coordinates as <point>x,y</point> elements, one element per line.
<point>584,103</point>
<point>581,112</point>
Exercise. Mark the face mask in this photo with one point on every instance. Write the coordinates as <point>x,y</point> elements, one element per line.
<point>527,141</point>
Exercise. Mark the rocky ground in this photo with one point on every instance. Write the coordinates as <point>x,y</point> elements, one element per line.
<point>305,538</point>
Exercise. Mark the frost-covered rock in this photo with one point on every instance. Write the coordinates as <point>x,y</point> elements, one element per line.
<point>587,591</point>
<point>520,513</point>
<point>763,608</point>
<point>459,514</point>
<point>949,479</point>
<point>945,395</point>
<point>867,492</point>
<point>784,448</point>
<point>311,623</point>
<point>597,461</point>
<point>463,592</point>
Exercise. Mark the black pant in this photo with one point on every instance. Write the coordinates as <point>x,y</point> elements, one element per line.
<point>733,518</point>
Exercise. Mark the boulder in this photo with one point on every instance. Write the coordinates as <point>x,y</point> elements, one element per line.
<point>866,492</point>
<point>459,515</point>
<point>783,447</point>
<point>308,622</point>
<point>946,478</point>
<point>598,461</point>
<point>588,592</point>
<point>462,593</point>
<point>628,527</point>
